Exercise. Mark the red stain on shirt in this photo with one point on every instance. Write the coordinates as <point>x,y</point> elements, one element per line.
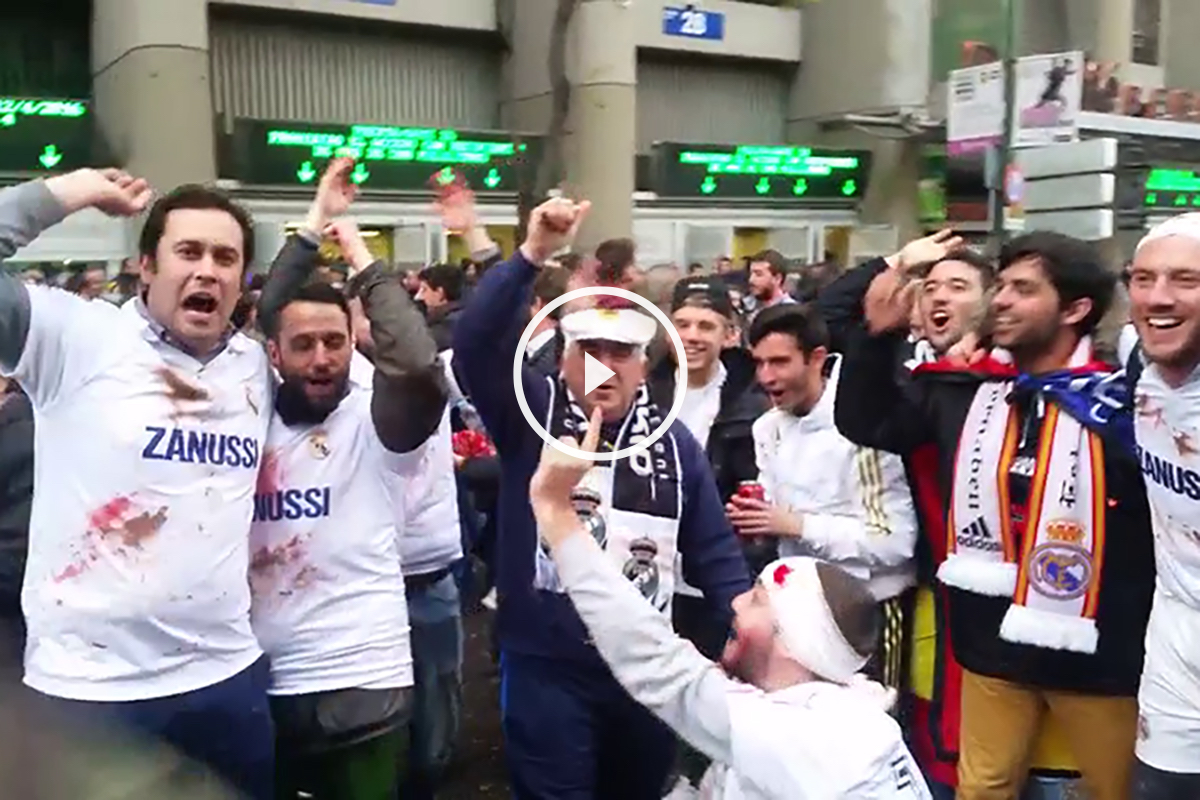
<point>118,527</point>
<point>269,473</point>
<point>283,569</point>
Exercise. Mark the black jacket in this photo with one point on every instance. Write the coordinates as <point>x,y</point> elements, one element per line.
<point>16,497</point>
<point>875,410</point>
<point>730,447</point>
<point>548,357</point>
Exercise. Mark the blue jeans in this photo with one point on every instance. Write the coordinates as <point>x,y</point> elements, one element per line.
<point>435,614</point>
<point>226,727</point>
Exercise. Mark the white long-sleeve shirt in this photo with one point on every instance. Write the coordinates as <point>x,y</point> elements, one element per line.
<point>855,502</point>
<point>814,741</point>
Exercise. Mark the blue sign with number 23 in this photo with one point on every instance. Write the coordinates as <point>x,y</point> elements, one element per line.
<point>693,23</point>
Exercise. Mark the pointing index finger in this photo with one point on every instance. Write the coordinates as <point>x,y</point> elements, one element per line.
<point>591,441</point>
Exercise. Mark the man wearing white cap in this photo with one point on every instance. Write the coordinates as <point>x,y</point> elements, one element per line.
<point>797,721</point>
<point>1164,292</point>
<point>571,732</point>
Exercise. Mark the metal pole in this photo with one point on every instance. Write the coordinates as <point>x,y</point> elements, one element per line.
<point>1003,152</point>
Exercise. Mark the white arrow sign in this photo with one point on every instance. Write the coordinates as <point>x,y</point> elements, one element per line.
<point>594,373</point>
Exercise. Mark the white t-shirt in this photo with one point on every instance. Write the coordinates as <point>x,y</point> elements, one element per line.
<point>329,605</point>
<point>431,529</point>
<point>1168,434</point>
<point>146,460</point>
<point>702,404</point>
<point>425,501</point>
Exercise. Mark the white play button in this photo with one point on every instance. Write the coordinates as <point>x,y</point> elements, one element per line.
<point>594,373</point>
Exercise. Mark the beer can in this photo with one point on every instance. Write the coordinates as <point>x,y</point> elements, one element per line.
<point>752,490</point>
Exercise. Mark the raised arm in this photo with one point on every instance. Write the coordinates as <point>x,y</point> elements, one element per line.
<point>495,316</point>
<point>409,393</point>
<point>40,324</point>
<point>659,670</point>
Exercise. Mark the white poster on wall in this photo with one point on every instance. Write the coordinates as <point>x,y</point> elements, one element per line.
<point>974,108</point>
<point>1048,93</point>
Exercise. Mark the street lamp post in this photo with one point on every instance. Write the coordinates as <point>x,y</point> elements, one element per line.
<point>1003,151</point>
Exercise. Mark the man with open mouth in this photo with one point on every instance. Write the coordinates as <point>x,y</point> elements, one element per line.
<point>150,424</point>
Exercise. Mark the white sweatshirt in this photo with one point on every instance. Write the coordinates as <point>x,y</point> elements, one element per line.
<point>855,502</point>
<point>815,741</point>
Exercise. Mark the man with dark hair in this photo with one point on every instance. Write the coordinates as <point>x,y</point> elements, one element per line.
<point>440,290</point>
<point>325,568</point>
<point>1033,455</point>
<point>618,263</point>
<point>840,503</point>
<point>768,273</point>
<point>89,282</point>
<point>785,714</point>
<point>135,593</point>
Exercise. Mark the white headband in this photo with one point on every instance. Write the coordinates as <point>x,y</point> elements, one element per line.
<point>806,625</point>
<point>1183,225</point>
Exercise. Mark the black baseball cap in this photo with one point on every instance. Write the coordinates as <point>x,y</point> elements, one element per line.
<point>705,292</point>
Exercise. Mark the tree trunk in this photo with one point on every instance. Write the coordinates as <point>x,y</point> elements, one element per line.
<point>545,171</point>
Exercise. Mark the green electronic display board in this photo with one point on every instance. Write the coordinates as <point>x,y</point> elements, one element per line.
<point>389,157</point>
<point>768,172</point>
<point>1172,188</point>
<point>44,134</point>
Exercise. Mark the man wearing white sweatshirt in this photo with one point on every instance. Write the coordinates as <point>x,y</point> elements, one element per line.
<point>797,721</point>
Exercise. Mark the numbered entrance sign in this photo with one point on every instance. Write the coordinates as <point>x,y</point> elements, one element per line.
<point>693,23</point>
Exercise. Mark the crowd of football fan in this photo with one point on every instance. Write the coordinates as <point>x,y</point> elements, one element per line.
<point>929,524</point>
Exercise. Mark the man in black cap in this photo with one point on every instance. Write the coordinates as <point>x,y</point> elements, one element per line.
<point>721,404</point>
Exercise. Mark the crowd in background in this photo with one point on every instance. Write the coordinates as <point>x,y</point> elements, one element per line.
<point>952,431</point>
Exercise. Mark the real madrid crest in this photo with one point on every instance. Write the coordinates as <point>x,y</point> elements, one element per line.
<point>1061,568</point>
<point>640,569</point>
<point>318,445</point>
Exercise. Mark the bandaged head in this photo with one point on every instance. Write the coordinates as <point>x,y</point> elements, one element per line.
<point>806,623</point>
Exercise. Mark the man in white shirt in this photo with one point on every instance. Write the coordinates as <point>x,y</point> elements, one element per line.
<point>792,720</point>
<point>826,497</point>
<point>1164,291</point>
<point>329,605</point>
<point>150,424</point>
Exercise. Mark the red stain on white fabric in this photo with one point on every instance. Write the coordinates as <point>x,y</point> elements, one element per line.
<point>283,569</point>
<point>270,473</point>
<point>118,529</point>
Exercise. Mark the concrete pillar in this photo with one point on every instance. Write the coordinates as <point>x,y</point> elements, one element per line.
<point>153,100</point>
<point>599,147</point>
<point>1114,31</point>
<point>602,147</point>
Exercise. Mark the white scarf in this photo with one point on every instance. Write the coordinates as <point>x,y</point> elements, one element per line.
<point>1054,579</point>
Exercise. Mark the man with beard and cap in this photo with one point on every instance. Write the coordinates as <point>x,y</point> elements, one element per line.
<point>571,732</point>
<point>150,420</point>
<point>789,717</point>
<point>1049,567</point>
<point>1164,292</point>
<point>325,571</point>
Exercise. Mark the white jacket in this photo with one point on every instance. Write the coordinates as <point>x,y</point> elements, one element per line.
<point>855,502</point>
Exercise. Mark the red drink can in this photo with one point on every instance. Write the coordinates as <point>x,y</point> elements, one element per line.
<point>752,490</point>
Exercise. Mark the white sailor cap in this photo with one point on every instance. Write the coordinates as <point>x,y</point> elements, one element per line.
<point>623,325</point>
